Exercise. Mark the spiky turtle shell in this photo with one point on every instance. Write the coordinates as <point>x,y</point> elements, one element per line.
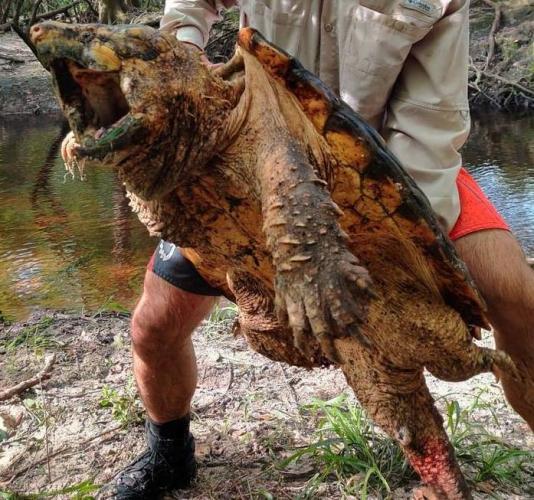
<point>393,201</point>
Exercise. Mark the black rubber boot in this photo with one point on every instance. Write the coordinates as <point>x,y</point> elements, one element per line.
<point>168,464</point>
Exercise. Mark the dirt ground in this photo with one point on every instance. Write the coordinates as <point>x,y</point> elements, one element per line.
<point>25,86</point>
<point>247,415</point>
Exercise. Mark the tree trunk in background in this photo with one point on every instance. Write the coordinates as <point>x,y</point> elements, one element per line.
<point>111,11</point>
<point>5,11</point>
<point>132,4</point>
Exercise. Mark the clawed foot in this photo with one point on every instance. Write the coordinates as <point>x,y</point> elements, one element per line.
<point>325,300</point>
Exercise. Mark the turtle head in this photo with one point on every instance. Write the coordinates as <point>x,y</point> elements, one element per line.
<point>132,96</point>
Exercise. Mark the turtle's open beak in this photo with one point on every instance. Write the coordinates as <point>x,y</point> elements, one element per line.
<point>86,75</point>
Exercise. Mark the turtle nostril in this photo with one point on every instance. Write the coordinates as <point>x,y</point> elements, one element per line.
<point>36,32</point>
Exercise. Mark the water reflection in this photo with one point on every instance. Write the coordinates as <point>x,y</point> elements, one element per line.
<point>500,155</point>
<point>49,214</point>
<point>63,243</point>
<point>75,245</point>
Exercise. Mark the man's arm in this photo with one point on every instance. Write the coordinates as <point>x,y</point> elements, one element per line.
<point>192,19</point>
<point>428,113</point>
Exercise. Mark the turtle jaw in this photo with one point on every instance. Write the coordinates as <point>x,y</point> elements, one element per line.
<point>96,107</point>
<point>87,79</point>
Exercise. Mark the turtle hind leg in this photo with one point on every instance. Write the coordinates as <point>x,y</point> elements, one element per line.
<point>258,323</point>
<point>465,361</point>
<point>399,401</point>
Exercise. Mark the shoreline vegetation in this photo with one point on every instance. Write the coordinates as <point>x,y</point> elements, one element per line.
<point>70,418</point>
<point>501,68</point>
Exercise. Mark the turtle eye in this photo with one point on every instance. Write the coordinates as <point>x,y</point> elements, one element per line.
<point>87,37</point>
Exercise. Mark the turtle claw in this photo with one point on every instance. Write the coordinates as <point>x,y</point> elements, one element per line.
<point>321,303</point>
<point>355,333</point>
<point>329,349</point>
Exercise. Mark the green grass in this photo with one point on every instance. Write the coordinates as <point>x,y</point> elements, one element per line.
<point>364,461</point>
<point>38,337</point>
<point>220,320</point>
<point>349,450</point>
<point>482,455</point>
<point>79,491</point>
<point>223,314</point>
<point>110,305</point>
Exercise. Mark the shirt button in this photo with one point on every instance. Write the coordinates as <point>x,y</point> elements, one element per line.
<point>328,28</point>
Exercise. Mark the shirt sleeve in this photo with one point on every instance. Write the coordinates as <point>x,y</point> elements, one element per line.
<point>192,19</point>
<point>427,119</point>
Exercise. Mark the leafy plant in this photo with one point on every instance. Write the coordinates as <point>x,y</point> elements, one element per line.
<point>485,456</point>
<point>220,320</point>
<point>351,450</point>
<point>125,406</point>
<point>37,409</point>
<point>223,314</point>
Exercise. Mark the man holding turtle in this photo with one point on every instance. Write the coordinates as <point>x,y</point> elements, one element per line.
<point>403,66</point>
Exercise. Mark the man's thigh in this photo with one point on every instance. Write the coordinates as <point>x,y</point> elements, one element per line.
<point>175,297</point>
<point>169,264</point>
<point>499,267</point>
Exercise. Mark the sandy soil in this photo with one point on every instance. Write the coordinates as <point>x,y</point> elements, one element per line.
<point>248,412</point>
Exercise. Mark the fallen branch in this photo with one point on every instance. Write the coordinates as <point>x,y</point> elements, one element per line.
<point>91,8</point>
<point>480,92</point>
<point>53,13</point>
<point>19,388</point>
<point>516,85</point>
<point>494,27</point>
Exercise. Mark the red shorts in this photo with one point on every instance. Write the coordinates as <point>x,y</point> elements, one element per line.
<point>476,211</point>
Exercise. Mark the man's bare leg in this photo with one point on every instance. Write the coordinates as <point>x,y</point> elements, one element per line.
<point>166,374</point>
<point>164,358</point>
<point>499,268</point>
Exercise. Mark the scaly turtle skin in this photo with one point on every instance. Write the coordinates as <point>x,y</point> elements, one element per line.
<point>288,202</point>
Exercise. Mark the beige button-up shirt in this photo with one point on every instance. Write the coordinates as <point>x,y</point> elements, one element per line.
<point>401,64</point>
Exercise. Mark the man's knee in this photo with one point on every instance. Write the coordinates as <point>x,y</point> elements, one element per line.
<point>166,316</point>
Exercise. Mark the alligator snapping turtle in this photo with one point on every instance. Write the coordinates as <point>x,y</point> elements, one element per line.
<point>290,204</point>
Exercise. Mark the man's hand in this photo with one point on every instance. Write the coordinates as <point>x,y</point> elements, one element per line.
<point>203,58</point>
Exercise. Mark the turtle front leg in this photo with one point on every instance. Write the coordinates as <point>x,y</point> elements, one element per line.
<point>399,401</point>
<point>320,288</point>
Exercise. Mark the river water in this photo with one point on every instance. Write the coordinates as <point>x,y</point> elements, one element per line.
<point>67,244</point>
